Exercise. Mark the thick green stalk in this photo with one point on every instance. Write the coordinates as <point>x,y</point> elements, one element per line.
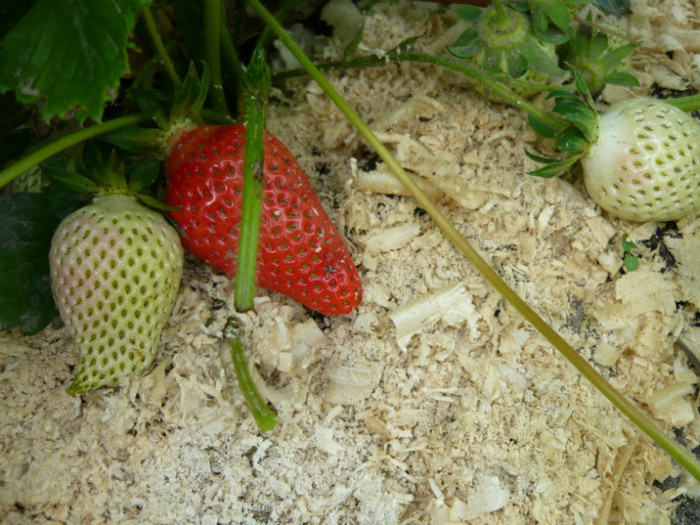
<point>265,418</point>
<point>678,452</point>
<point>212,50</point>
<point>160,48</point>
<point>63,143</point>
<point>257,92</point>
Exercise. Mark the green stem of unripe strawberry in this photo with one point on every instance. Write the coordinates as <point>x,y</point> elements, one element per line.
<point>40,155</point>
<point>689,103</point>
<point>503,27</point>
<point>212,50</point>
<point>678,452</point>
<point>257,92</point>
<point>265,418</point>
<point>158,43</point>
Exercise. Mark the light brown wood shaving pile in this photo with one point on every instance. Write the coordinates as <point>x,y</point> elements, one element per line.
<point>434,403</point>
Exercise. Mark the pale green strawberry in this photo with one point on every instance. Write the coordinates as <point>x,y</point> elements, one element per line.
<point>115,271</point>
<point>645,162</point>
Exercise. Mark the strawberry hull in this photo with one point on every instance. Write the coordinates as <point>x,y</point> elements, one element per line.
<point>300,253</point>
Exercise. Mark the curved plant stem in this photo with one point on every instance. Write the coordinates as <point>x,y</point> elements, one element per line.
<point>265,418</point>
<point>492,82</point>
<point>63,143</point>
<point>212,50</point>
<point>678,452</point>
<point>158,42</point>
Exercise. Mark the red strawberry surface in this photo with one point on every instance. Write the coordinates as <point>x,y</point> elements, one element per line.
<point>300,254</point>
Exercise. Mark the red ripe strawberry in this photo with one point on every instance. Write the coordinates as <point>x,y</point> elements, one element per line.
<point>300,254</point>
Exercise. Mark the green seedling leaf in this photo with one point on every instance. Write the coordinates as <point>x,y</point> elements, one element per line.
<point>630,261</point>
<point>469,13</point>
<point>68,54</point>
<point>29,220</point>
<point>627,245</point>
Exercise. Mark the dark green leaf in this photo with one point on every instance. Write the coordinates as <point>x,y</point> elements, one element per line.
<point>469,13</point>
<point>556,168</point>
<point>570,139</point>
<point>542,128</point>
<point>144,175</point>
<point>558,13</point>
<point>517,64</point>
<point>29,220</point>
<point>68,53</point>
<point>190,95</point>
<point>616,56</point>
<point>149,102</point>
<point>580,115</point>
<point>69,181</point>
<point>467,44</point>
<point>11,13</point>
<point>539,60</point>
<point>614,7</point>
<point>539,158</point>
<point>133,138</point>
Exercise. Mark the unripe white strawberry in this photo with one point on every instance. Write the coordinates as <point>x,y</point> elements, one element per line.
<point>115,272</point>
<point>645,163</point>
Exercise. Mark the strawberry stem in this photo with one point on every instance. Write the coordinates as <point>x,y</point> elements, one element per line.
<point>212,49</point>
<point>158,43</point>
<point>265,418</point>
<point>689,103</point>
<point>40,155</point>
<point>257,92</point>
<point>643,422</point>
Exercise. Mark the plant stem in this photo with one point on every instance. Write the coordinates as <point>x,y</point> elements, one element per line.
<point>158,42</point>
<point>689,103</point>
<point>489,80</point>
<point>257,92</point>
<point>265,418</point>
<point>678,452</point>
<point>63,143</point>
<point>212,35</point>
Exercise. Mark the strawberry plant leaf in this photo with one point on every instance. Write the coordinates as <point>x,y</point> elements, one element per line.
<point>143,175</point>
<point>29,220</point>
<point>542,128</point>
<point>469,13</point>
<point>68,54</point>
<point>614,7</point>
<point>191,94</point>
<point>68,180</point>
<point>622,79</point>
<point>570,139</point>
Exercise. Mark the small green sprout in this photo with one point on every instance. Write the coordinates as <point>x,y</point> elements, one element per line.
<point>630,261</point>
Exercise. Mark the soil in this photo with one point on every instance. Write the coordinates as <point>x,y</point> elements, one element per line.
<point>434,402</point>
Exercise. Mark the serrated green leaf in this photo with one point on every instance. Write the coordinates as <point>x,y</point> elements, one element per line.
<point>622,79</point>
<point>68,53</point>
<point>29,220</point>
<point>144,175</point>
<point>469,13</point>
<point>570,139</point>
